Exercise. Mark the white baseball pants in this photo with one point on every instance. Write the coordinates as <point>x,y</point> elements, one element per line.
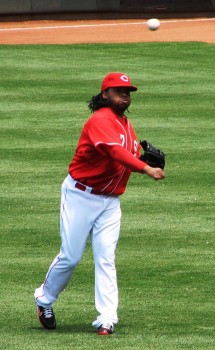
<point>83,213</point>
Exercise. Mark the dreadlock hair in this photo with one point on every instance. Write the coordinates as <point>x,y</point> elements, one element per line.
<point>97,102</point>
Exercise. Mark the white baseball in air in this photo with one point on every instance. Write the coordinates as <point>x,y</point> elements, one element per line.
<point>153,23</point>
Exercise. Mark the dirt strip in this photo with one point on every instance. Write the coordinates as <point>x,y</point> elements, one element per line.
<point>106,31</point>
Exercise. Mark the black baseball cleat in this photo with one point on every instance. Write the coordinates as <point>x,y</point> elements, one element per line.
<point>46,317</point>
<point>105,329</point>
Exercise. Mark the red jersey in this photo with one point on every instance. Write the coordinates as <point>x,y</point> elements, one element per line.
<point>92,164</point>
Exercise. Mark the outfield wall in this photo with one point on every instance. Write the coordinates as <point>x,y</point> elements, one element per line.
<point>10,7</point>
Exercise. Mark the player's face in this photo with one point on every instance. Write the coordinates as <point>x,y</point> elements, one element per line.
<point>119,99</point>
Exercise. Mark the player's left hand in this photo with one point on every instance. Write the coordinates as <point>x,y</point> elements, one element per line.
<point>152,155</point>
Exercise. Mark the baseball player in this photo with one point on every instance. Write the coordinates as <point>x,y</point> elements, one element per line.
<point>106,154</point>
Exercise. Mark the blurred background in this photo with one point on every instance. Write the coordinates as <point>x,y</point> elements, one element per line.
<point>72,9</point>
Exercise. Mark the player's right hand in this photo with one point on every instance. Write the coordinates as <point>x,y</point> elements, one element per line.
<point>155,173</point>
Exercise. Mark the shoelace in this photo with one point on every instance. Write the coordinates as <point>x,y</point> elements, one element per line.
<point>107,326</point>
<point>48,312</point>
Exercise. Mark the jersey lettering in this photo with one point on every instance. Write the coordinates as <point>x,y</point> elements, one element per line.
<point>123,139</point>
<point>135,147</point>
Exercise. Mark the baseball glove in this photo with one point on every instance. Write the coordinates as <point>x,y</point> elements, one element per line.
<point>152,155</point>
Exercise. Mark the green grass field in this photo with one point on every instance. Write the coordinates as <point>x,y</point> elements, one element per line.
<point>165,257</point>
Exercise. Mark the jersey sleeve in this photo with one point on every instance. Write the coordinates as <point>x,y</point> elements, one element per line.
<point>103,132</point>
<point>124,157</point>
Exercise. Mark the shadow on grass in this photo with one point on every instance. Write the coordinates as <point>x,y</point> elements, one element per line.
<point>72,328</point>
<point>75,328</point>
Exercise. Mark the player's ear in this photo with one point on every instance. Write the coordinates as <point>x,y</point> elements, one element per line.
<point>104,94</point>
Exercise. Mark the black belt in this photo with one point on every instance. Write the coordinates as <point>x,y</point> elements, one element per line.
<point>83,188</point>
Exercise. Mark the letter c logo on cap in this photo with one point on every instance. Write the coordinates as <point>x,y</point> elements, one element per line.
<point>124,78</point>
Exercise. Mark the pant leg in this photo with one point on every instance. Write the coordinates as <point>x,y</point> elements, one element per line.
<point>77,216</point>
<point>104,236</point>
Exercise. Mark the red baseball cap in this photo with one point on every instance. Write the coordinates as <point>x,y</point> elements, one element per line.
<point>117,80</point>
